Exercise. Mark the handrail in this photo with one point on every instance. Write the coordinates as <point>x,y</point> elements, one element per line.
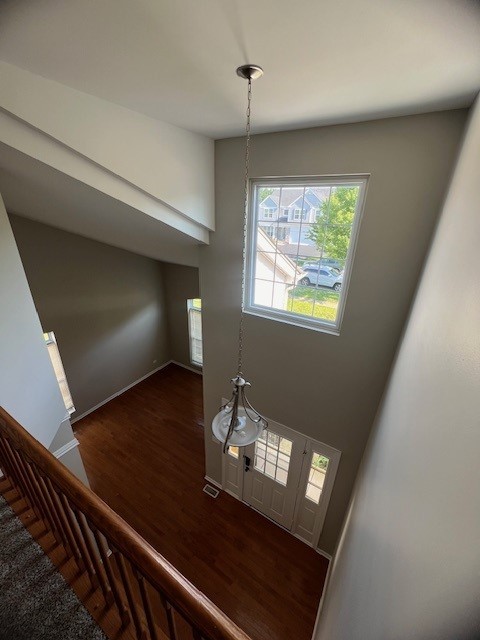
<point>33,468</point>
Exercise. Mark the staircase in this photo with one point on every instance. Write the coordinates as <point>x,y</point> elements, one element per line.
<point>131,590</point>
<point>35,600</point>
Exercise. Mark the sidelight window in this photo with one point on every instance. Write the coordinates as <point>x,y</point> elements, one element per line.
<point>194,310</point>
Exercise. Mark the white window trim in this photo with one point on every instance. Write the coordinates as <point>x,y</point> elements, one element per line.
<point>190,309</point>
<point>286,317</point>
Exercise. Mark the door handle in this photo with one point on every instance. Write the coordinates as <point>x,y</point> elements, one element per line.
<point>247,461</point>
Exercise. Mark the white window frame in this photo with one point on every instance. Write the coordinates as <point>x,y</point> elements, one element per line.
<point>50,340</point>
<point>191,309</point>
<point>287,317</point>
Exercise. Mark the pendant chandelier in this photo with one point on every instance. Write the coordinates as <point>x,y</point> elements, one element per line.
<point>238,423</point>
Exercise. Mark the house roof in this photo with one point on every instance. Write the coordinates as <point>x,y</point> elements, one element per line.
<point>269,203</point>
<point>282,262</point>
<point>291,196</point>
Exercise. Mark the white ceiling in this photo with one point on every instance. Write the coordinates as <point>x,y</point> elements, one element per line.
<point>325,61</point>
<point>35,190</point>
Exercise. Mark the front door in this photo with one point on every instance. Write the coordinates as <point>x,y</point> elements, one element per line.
<point>286,476</point>
<point>273,466</point>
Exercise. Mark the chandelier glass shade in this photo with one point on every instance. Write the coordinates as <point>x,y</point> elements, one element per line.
<point>238,423</point>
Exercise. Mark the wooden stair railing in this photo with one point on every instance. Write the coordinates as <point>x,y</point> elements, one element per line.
<point>134,575</point>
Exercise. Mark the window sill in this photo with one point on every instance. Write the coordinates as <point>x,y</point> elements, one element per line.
<point>303,323</point>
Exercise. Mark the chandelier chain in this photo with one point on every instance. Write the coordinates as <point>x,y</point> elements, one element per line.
<point>238,420</point>
<point>245,221</point>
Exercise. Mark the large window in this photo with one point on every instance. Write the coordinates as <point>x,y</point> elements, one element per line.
<point>194,310</point>
<point>298,268</point>
<point>54,354</point>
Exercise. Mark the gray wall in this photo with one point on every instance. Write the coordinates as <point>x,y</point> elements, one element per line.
<point>181,284</point>
<point>408,563</point>
<point>328,387</point>
<point>28,386</point>
<point>105,305</point>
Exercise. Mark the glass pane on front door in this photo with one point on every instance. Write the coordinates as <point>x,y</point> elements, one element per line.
<point>272,456</point>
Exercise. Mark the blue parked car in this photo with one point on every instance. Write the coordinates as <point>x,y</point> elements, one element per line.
<point>321,277</point>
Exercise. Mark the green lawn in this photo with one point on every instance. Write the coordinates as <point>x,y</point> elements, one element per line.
<point>300,300</point>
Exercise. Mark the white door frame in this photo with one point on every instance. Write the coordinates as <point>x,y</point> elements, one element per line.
<point>232,474</point>
<point>233,480</point>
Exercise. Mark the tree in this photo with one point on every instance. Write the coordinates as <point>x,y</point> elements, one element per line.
<point>331,232</point>
<point>263,193</point>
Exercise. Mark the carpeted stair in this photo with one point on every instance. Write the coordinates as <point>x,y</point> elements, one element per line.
<point>35,601</point>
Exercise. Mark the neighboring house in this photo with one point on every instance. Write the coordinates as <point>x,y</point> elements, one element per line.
<point>274,273</point>
<point>288,216</point>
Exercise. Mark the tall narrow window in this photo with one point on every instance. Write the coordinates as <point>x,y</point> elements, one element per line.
<point>298,269</point>
<point>54,354</point>
<point>194,310</point>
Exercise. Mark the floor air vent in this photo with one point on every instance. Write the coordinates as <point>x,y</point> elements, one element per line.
<point>211,490</point>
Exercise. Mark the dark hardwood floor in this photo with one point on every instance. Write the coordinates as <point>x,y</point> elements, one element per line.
<point>144,455</point>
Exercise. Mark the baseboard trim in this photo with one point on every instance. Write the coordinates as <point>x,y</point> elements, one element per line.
<point>185,366</point>
<point>66,448</point>
<point>324,554</point>
<point>119,393</point>
<point>234,495</point>
<point>214,482</point>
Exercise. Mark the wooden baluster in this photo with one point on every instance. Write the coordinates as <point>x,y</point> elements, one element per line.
<point>73,529</point>
<point>172,627</point>
<point>121,606</point>
<point>50,494</point>
<point>17,476</point>
<point>68,510</point>
<point>47,515</point>
<point>55,525</point>
<point>36,502</point>
<point>33,472</point>
<point>147,607</point>
<point>6,463</point>
<point>16,470</point>
<point>60,513</point>
<point>94,556</point>
<point>119,559</point>
<point>3,463</point>
<point>28,493</point>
